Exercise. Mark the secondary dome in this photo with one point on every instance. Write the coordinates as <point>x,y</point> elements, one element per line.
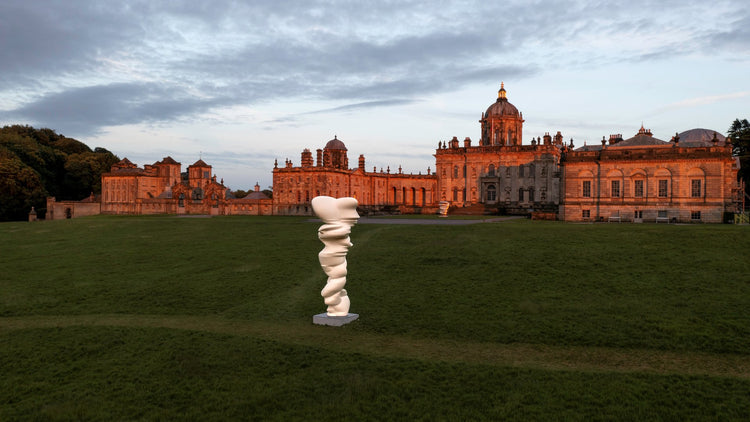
<point>335,143</point>
<point>502,107</point>
<point>700,137</point>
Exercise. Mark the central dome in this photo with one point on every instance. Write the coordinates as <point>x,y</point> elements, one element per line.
<point>502,107</point>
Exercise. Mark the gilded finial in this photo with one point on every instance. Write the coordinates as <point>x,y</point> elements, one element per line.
<point>501,93</point>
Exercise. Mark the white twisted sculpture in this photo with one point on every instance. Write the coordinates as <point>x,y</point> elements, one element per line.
<point>339,215</point>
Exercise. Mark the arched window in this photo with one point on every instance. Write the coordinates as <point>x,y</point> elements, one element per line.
<point>455,172</point>
<point>697,183</point>
<point>491,170</point>
<point>491,194</point>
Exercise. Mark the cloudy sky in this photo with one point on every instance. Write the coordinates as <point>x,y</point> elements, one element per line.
<point>242,83</point>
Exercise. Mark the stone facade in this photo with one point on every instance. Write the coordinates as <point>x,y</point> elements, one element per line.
<point>383,191</point>
<point>500,175</point>
<point>647,179</point>
<point>622,181</point>
<point>514,179</point>
<point>161,188</point>
<point>61,210</point>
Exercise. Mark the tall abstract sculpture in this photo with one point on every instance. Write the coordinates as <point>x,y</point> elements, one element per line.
<point>339,215</point>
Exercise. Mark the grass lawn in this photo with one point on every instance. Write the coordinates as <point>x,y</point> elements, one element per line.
<point>154,318</point>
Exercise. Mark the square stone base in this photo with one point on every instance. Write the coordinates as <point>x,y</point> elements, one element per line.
<point>336,321</point>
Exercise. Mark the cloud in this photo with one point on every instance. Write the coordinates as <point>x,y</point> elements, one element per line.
<point>85,65</point>
<point>734,40</point>
<point>364,105</point>
<point>83,111</point>
<point>702,101</point>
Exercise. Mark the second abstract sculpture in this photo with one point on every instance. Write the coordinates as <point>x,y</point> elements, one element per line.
<point>339,215</point>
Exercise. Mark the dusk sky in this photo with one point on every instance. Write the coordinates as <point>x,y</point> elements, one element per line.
<point>241,83</point>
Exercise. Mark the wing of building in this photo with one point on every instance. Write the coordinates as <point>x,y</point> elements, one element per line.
<point>162,188</point>
<point>377,191</point>
<point>643,178</point>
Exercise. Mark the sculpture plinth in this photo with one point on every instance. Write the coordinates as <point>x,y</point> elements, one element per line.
<point>339,215</point>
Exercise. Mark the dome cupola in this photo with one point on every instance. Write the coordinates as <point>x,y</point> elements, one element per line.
<point>335,143</point>
<point>334,154</point>
<point>502,123</point>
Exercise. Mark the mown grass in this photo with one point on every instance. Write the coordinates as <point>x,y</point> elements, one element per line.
<point>443,311</point>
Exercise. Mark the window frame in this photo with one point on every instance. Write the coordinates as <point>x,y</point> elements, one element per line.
<point>586,189</point>
<point>663,190</point>
<point>614,188</point>
<point>696,188</point>
<point>638,188</point>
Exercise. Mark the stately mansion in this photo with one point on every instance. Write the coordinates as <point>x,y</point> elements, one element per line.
<point>691,178</point>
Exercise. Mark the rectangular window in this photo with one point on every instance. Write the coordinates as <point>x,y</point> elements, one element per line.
<point>638,214</point>
<point>638,193</point>
<point>663,188</point>
<point>695,215</point>
<point>615,188</point>
<point>587,189</point>
<point>586,213</point>
<point>695,188</point>
<point>662,214</point>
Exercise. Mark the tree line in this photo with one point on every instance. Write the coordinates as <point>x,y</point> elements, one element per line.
<point>739,131</point>
<point>37,163</point>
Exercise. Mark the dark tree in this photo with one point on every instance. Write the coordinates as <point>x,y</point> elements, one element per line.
<point>20,188</point>
<point>239,193</point>
<point>36,163</point>
<point>739,131</point>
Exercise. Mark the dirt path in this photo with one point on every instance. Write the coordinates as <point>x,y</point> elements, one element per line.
<point>429,221</point>
<point>573,358</point>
